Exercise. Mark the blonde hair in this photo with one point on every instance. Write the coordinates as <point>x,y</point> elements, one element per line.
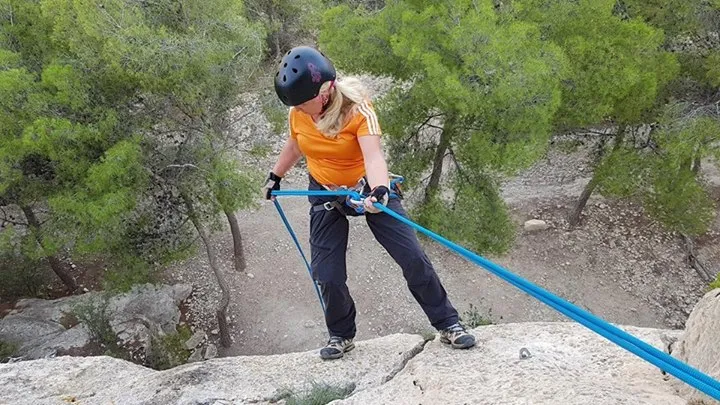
<point>347,93</point>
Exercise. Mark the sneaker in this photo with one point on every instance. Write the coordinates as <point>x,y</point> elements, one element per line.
<point>336,348</point>
<point>457,336</point>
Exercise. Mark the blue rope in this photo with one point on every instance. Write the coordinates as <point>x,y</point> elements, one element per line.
<point>297,244</point>
<point>682,371</point>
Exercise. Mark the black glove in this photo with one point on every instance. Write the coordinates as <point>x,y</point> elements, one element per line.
<point>381,193</point>
<point>272,183</point>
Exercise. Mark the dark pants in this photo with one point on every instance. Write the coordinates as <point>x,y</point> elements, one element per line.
<point>328,241</point>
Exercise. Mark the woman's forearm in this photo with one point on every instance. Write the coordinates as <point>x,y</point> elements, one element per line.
<point>375,164</point>
<point>289,156</point>
<point>376,171</point>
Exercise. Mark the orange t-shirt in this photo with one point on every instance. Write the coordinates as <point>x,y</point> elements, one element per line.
<point>337,161</point>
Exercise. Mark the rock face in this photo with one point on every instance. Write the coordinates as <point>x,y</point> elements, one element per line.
<point>145,312</point>
<point>700,345</point>
<point>567,364</point>
<point>563,363</point>
<point>42,328</point>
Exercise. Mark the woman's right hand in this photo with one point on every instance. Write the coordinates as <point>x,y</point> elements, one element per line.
<point>289,156</point>
<point>272,183</point>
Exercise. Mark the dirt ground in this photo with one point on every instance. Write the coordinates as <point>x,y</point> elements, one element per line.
<point>617,264</point>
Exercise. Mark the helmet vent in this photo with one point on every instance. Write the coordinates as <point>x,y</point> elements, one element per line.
<point>285,65</point>
<point>294,70</point>
<point>297,56</point>
<point>284,78</point>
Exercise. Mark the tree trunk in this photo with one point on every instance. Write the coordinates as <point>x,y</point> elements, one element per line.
<point>434,184</point>
<point>696,165</point>
<point>694,261</point>
<point>221,311</point>
<point>239,259</point>
<point>55,263</point>
<point>574,217</point>
<point>276,35</point>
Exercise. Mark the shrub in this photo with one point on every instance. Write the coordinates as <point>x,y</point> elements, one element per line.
<point>169,351</point>
<point>715,284</point>
<point>93,313</point>
<point>22,277</point>
<point>472,318</point>
<point>319,394</point>
<point>6,350</point>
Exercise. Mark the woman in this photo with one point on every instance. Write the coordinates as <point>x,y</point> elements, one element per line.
<point>334,126</point>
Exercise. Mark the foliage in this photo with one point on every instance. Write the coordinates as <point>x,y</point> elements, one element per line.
<point>716,283</point>
<point>664,177</point>
<point>487,88</point>
<point>679,202</point>
<point>472,318</point>
<point>319,394</point>
<point>477,217</point>
<point>130,271</point>
<point>679,198</point>
<point>483,86</point>
<point>275,112</point>
<point>169,351</point>
<point>6,350</point>
<point>617,67</point>
<point>712,64</point>
<point>366,4</point>
<point>619,72</point>
<point>288,22</point>
<point>22,276</point>
<point>688,26</point>
<point>98,98</point>
<point>93,313</point>
<point>226,177</point>
<point>673,16</point>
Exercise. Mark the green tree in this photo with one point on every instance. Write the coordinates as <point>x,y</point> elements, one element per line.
<point>618,69</point>
<point>52,137</point>
<point>477,97</point>
<point>662,171</point>
<point>691,29</point>
<point>190,71</point>
<point>99,109</point>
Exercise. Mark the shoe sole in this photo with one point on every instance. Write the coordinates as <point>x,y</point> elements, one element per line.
<point>339,355</point>
<point>456,346</point>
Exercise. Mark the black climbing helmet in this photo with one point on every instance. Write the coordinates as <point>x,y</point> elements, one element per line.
<point>301,73</point>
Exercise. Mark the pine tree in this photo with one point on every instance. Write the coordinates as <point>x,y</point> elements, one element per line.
<point>102,99</point>
<point>476,98</point>
<point>618,69</point>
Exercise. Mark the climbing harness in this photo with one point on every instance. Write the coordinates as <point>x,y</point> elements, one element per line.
<point>662,360</point>
<point>357,205</point>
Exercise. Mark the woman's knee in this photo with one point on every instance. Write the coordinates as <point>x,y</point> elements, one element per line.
<point>329,275</point>
<point>417,269</point>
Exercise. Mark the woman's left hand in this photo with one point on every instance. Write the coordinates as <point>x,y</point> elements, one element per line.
<point>378,194</point>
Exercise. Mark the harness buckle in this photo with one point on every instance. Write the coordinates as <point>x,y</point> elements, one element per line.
<point>329,206</point>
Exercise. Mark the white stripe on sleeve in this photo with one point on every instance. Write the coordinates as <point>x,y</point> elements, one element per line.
<point>371,118</point>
